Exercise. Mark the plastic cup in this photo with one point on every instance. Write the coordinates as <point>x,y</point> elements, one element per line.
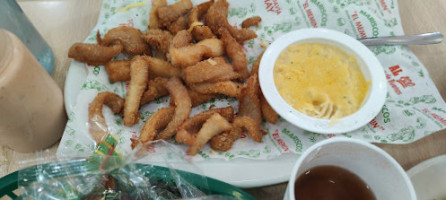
<point>13,19</point>
<point>374,166</point>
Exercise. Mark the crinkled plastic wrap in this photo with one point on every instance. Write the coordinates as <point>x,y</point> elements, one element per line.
<point>112,176</point>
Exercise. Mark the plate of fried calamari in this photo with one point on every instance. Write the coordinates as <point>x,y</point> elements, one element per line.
<point>184,78</point>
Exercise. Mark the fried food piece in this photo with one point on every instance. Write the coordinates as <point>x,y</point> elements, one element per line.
<point>210,70</point>
<point>185,137</point>
<point>215,45</point>
<point>242,35</point>
<point>251,127</point>
<point>268,113</point>
<point>168,14</point>
<point>184,56</point>
<point>199,98</point>
<point>213,126</point>
<point>216,15</point>
<point>225,140</point>
<point>156,122</point>
<point>187,131</point>
<point>249,103</point>
<point>228,88</point>
<point>118,70</point>
<point>153,15</point>
<point>129,37</point>
<point>188,55</point>
<point>234,50</point>
<point>160,55</point>
<point>256,65</point>
<point>158,38</point>
<point>181,39</point>
<point>138,82</point>
<point>97,126</point>
<point>198,30</point>
<point>202,32</point>
<point>198,11</point>
<point>252,21</point>
<point>182,107</point>
<point>161,68</point>
<point>156,89</point>
<point>178,25</point>
<point>94,54</point>
<point>216,18</point>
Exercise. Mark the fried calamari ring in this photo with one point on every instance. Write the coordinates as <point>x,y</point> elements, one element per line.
<point>139,71</point>
<point>249,103</point>
<point>156,122</point>
<point>169,14</point>
<point>210,70</point>
<point>118,70</point>
<point>156,89</point>
<point>234,50</point>
<point>94,54</point>
<point>182,107</point>
<point>178,25</point>
<point>228,88</point>
<point>213,126</point>
<point>97,126</point>
<point>130,39</point>
<point>158,38</point>
<point>153,15</point>
<point>252,21</point>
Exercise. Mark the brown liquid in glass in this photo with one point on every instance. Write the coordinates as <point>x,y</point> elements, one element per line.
<point>330,182</point>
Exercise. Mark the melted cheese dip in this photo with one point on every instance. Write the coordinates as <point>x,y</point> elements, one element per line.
<point>320,80</point>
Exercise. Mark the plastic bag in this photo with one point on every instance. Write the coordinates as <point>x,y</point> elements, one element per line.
<point>108,175</point>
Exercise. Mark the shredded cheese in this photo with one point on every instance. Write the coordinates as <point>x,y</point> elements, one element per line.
<point>212,62</point>
<point>191,27</point>
<point>132,5</point>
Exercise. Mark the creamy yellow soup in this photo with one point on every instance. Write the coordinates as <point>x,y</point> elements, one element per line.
<point>320,80</point>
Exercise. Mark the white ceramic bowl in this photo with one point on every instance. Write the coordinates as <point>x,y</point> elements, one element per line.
<point>429,178</point>
<point>370,67</point>
<point>374,166</point>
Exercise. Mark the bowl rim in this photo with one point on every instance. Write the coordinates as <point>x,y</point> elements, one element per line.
<point>351,141</point>
<point>371,106</point>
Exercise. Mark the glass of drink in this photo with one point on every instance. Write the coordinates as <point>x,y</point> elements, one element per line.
<point>13,19</point>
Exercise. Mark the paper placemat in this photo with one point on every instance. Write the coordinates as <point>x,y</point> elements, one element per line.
<point>413,109</point>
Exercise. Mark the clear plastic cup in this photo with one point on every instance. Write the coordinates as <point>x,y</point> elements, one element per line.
<point>13,19</point>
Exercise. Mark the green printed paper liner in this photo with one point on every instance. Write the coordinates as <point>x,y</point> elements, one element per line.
<point>413,108</point>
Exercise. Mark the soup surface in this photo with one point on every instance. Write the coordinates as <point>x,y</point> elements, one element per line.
<point>320,80</point>
<point>331,182</point>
